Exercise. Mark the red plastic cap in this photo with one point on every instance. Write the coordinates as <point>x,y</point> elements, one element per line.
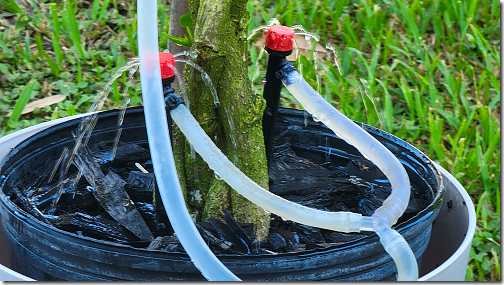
<point>279,38</point>
<point>166,62</point>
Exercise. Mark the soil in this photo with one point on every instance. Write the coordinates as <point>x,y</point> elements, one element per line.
<point>78,204</point>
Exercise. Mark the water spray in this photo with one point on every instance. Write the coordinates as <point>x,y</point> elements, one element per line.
<point>279,38</point>
<point>170,190</point>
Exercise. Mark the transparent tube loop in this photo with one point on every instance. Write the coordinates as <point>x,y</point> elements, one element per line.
<point>166,175</point>
<point>396,203</point>
<point>218,162</point>
<point>397,247</point>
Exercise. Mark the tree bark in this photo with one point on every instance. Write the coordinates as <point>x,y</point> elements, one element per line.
<point>220,41</point>
<point>177,9</point>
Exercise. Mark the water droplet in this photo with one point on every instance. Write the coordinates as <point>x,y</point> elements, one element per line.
<point>217,176</point>
<point>308,39</point>
<point>193,152</point>
<point>196,175</point>
<point>273,22</point>
<point>141,167</point>
<point>3,179</point>
<point>232,130</point>
<point>329,149</point>
<point>196,194</point>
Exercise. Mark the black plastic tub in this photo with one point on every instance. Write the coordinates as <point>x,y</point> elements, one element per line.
<point>43,252</point>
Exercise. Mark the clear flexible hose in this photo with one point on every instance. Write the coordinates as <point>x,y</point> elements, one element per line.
<point>397,202</point>
<point>161,152</point>
<point>164,167</point>
<point>217,161</point>
<point>394,244</point>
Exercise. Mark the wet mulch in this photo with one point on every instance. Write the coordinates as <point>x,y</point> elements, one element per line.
<point>97,203</point>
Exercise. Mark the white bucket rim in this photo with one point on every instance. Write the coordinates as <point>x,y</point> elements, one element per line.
<point>467,241</point>
<point>7,274</point>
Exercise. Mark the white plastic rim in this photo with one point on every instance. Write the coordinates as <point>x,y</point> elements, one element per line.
<point>454,268</point>
<point>455,265</point>
<point>11,140</point>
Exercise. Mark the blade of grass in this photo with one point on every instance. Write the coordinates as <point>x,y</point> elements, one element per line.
<point>40,47</point>
<point>103,9</point>
<point>73,28</point>
<point>27,50</point>
<point>21,102</point>
<point>483,166</point>
<point>52,65</point>
<point>94,10</point>
<point>130,30</point>
<point>6,49</point>
<point>410,21</point>
<point>436,131</point>
<point>58,53</point>
<point>11,6</point>
<point>55,18</point>
<point>420,110</point>
<point>370,105</point>
<point>79,71</point>
<point>483,44</point>
<point>25,58</point>
<point>388,110</point>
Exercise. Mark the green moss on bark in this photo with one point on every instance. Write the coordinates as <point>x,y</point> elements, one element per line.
<point>220,40</point>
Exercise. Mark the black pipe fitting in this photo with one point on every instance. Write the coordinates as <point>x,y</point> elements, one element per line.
<point>271,93</point>
<point>172,100</point>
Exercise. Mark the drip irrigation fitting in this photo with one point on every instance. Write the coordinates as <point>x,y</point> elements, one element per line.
<point>395,204</point>
<point>279,45</point>
<point>394,243</point>
<point>167,180</point>
<point>166,64</point>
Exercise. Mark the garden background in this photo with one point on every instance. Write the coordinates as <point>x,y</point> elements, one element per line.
<point>426,71</point>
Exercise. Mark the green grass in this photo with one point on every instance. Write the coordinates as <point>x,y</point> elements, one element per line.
<point>432,74</point>
<point>66,47</point>
<point>427,71</point>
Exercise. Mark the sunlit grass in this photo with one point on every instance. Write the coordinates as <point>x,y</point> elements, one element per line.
<point>432,70</point>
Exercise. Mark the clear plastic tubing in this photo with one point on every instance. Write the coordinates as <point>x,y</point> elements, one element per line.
<point>161,152</point>
<point>218,162</point>
<point>396,203</point>
<point>392,241</point>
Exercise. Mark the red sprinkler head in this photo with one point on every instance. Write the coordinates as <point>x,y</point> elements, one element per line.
<point>167,63</point>
<point>279,38</point>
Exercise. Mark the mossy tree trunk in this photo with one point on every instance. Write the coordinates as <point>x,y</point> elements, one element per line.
<point>220,40</point>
